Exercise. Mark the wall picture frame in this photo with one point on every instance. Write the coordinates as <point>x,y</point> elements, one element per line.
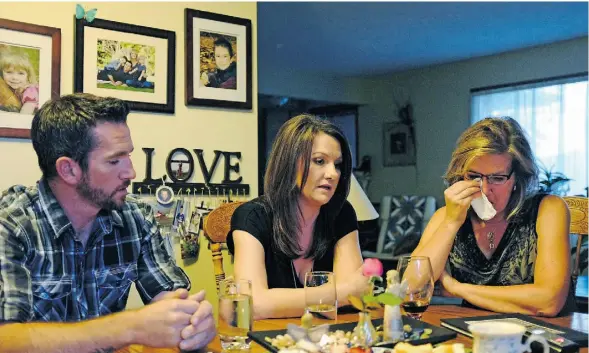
<point>218,60</point>
<point>34,51</point>
<point>126,61</point>
<point>398,145</point>
<point>164,195</point>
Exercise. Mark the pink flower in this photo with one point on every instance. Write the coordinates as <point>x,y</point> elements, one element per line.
<point>372,267</point>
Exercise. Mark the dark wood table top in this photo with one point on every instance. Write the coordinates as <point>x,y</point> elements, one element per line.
<point>576,321</point>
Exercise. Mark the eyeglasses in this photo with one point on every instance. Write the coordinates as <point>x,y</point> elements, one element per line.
<point>494,179</point>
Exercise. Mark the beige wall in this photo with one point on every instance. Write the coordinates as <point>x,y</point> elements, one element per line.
<point>441,103</point>
<point>205,128</point>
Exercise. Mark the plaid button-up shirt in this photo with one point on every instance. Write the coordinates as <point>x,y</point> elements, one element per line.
<point>46,274</point>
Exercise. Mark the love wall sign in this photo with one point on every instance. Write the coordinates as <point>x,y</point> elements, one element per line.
<point>180,166</point>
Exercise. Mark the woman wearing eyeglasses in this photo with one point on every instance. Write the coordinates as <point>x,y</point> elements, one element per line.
<point>517,261</point>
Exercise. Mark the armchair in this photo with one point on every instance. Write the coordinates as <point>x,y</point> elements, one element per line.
<point>402,221</point>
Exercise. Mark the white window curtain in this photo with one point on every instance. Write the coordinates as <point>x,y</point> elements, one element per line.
<point>554,115</point>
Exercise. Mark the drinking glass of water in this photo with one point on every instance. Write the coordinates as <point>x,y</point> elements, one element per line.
<point>235,314</point>
<point>320,294</point>
<point>417,276</point>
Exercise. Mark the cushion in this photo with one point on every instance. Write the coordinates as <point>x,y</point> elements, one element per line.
<point>404,224</point>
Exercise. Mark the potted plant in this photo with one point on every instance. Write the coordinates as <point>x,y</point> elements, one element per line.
<point>555,183</point>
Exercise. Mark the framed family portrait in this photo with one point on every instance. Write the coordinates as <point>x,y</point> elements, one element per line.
<point>126,61</point>
<point>30,59</point>
<point>218,60</point>
<point>398,145</point>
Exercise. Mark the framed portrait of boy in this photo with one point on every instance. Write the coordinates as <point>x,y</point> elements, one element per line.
<point>218,60</point>
<point>30,59</point>
<point>126,61</point>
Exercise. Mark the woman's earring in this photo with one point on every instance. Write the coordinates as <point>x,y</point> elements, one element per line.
<point>514,187</point>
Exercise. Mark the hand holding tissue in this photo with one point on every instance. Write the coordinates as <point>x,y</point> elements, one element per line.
<point>483,208</point>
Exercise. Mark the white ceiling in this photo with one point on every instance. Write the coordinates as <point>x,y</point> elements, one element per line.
<point>367,38</point>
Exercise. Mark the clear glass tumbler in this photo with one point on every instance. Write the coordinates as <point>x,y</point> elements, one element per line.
<point>235,314</point>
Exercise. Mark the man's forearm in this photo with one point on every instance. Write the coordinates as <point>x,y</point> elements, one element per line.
<point>102,335</point>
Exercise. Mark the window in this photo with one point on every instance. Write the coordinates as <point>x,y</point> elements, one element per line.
<point>553,114</point>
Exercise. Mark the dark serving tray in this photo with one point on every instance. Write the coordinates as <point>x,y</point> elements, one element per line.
<point>439,334</point>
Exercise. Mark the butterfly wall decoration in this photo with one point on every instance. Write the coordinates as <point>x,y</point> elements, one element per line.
<point>89,15</point>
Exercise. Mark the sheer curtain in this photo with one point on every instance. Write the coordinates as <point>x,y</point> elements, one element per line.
<point>554,115</point>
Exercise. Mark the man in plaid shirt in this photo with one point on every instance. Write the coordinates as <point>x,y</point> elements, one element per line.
<point>71,246</point>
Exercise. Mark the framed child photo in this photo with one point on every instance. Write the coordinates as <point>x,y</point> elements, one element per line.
<point>218,60</point>
<point>126,61</point>
<point>30,61</point>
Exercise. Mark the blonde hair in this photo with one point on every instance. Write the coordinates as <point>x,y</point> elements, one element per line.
<point>18,62</point>
<point>497,136</point>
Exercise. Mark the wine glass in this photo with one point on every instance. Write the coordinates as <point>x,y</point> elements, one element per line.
<point>417,275</point>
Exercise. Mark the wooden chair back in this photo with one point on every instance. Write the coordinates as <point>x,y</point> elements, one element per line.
<point>216,227</point>
<point>579,216</point>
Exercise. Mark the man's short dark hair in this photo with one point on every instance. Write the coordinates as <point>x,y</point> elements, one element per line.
<point>223,42</point>
<point>63,128</point>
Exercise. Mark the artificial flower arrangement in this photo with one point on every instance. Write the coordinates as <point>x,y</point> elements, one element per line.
<point>375,297</point>
<point>365,334</point>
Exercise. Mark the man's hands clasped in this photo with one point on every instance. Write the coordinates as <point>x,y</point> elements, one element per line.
<point>177,319</point>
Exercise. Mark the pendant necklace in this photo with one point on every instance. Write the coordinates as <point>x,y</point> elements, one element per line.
<point>491,239</point>
<point>491,236</point>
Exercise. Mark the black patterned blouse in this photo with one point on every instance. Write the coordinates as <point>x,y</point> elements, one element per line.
<point>512,262</point>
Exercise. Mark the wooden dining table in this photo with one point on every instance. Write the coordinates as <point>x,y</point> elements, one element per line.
<point>433,315</point>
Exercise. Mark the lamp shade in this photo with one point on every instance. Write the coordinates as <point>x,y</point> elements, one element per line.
<point>364,209</point>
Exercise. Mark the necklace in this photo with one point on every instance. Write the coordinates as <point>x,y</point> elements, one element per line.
<point>491,233</point>
<point>491,239</point>
<point>294,276</point>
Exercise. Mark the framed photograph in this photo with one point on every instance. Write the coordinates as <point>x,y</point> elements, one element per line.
<point>130,62</point>
<point>218,60</point>
<point>398,146</point>
<point>30,59</point>
<point>164,195</point>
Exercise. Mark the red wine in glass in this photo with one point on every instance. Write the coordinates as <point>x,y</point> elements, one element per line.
<point>415,309</point>
<point>416,278</point>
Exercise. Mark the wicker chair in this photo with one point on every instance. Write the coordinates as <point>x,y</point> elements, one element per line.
<point>216,227</point>
<point>579,216</point>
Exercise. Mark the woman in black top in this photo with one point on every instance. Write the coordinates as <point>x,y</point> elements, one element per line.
<point>302,222</point>
<point>517,261</point>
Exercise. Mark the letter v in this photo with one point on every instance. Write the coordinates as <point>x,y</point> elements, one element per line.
<point>207,174</point>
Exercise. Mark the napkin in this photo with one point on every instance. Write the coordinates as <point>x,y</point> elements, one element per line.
<point>481,205</point>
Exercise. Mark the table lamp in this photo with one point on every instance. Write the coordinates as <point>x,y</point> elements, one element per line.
<point>357,197</point>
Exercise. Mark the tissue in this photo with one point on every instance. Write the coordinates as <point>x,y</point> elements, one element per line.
<point>483,208</point>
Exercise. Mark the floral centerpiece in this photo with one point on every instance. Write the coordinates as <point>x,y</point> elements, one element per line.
<point>375,296</point>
